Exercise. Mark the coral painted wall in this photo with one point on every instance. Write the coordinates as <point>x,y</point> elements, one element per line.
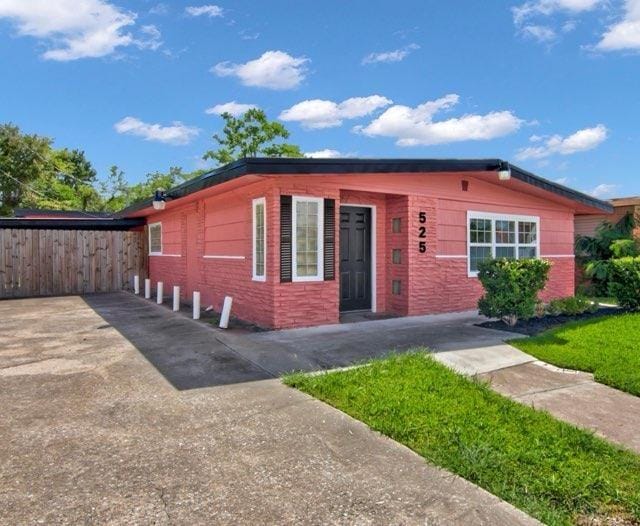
<point>207,244</point>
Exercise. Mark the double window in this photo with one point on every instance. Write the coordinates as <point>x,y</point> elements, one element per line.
<point>259,239</point>
<point>155,239</point>
<point>501,236</point>
<point>307,229</point>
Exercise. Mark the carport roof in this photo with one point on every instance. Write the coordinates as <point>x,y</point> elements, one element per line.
<point>308,166</point>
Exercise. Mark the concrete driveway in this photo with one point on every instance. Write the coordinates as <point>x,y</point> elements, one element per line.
<point>94,431</point>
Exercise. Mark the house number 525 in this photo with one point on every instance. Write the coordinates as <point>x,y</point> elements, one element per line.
<point>422,232</point>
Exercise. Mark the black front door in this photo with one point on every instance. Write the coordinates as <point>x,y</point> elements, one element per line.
<point>355,258</point>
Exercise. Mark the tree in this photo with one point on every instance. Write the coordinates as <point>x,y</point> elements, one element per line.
<point>23,160</point>
<point>251,135</point>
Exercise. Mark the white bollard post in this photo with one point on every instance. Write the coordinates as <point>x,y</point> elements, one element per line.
<point>196,305</point>
<point>136,284</point>
<point>160,292</point>
<point>226,312</point>
<point>176,298</point>
<point>147,288</point>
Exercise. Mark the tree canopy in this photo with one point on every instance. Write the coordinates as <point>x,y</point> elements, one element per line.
<point>35,174</point>
<point>251,135</point>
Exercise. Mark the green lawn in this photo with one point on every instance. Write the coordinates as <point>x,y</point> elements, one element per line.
<point>551,470</point>
<point>607,347</point>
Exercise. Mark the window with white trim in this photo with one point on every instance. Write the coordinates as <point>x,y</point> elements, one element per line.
<point>259,239</point>
<point>501,236</point>
<point>155,239</point>
<point>307,238</point>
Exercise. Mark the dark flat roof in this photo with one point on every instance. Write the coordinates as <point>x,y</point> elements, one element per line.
<point>71,224</point>
<point>62,214</point>
<point>306,166</point>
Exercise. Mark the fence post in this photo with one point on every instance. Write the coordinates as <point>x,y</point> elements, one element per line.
<point>176,298</point>
<point>136,284</point>
<point>226,312</point>
<point>196,305</point>
<point>160,292</point>
<point>147,288</point>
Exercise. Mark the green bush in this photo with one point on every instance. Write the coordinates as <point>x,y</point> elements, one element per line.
<point>571,306</point>
<point>511,287</point>
<point>624,281</point>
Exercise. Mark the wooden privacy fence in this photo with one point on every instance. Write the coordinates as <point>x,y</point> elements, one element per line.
<point>35,262</point>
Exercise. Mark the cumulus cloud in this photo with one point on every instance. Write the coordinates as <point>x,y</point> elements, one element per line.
<point>580,141</point>
<point>318,113</point>
<point>549,7</point>
<point>204,10</point>
<point>275,70</point>
<point>604,190</point>
<point>416,126</point>
<point>233,107</point>
<point>540,33</point>
<point>396,55</point>
<point>327,153</point>
<point>75,29</point>
<point>177,133</point>
<point>625,34</point>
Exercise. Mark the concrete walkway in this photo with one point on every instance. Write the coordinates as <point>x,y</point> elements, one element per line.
<point>574,397</point>
<point>92,433</point>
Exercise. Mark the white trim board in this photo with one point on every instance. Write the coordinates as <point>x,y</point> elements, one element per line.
<point>374,245</point>
<point>223,257</point>
<point>166,255</point>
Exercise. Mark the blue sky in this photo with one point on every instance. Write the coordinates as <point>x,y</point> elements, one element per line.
<point>552,85</point>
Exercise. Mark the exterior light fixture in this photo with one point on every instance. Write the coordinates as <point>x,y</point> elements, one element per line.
<point>159,199</point>
<point>504,171</point>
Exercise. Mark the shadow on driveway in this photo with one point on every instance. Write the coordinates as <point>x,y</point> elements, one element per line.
<point>191,354</point>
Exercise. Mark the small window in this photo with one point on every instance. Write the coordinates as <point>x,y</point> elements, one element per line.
<point>155,239</point>
<point>497,236</point>
<point>259,239</point>
<point>396,287</point>
<point>308,219</point>
<point>396,225</point>
<point>396,256</point>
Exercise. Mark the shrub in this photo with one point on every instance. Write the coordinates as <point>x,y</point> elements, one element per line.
<point>571,306</point>
<point>511,287</point>
<point>624,282</point>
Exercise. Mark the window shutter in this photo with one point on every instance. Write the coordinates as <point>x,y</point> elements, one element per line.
<point>285,238</point>
<point>329,239</point>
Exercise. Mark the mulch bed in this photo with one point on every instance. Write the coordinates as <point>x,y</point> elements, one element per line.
<point>535,326</point>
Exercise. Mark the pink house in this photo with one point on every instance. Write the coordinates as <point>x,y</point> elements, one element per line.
<point>296,242</point>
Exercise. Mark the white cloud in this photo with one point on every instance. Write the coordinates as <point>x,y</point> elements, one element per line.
<point>549,7</point>
<point>327,153</point>
<point>159,9</point>
<point>396,55</point>
<point>75,29</point>
<point>233,107</point>
<point>540,33</point>
<point>562,180</point>
<point>416,126</point>
<point>318,113</point>
<point>604,190</point>
<point>580,141</point>
<point>152,38</point>
<point>177,133</point>
<point>624,34</point>
<point>208,10</point>
<point>274,70</point>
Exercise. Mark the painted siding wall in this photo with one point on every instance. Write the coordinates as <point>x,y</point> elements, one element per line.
<point>432,282</point>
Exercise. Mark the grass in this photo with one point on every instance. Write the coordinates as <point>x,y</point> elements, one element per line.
<point>607,347</point>
<point>551,470</point>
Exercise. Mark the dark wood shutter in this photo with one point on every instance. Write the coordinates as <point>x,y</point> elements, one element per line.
<point>329,239</point>
<point>286,241</point>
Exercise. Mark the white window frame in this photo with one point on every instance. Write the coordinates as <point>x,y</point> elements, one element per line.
<point>255,203</point>
<point>493,217</point>
<point>158,223</point>
<point>294,234</point>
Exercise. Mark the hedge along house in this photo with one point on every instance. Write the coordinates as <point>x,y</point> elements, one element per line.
<point>296,242</point>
